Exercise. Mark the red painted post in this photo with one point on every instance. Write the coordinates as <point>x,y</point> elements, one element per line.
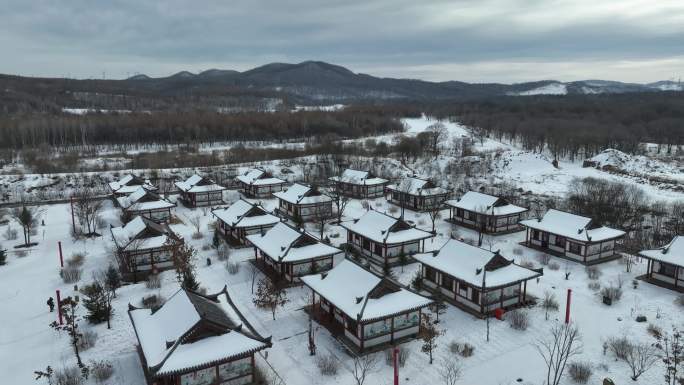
<point>59,308</point>
<point>567,307</point>
<point>73,220</point>
<point>395,357</point>
<point>61,257</point>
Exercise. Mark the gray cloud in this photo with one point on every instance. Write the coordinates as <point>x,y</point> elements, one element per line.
<point>471,40</point>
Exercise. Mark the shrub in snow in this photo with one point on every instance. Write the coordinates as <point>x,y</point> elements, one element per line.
<point>70,375</point>
<point>549,303</point>
<point>544,259</point>
<point>88,339</point>
<point>206,247</point>
<point>417,281</point>
<point>70,274</point>
<point>554,266</point>
<point>197,235</point>
<point>619,346</point>
<point>519,319</point>
<point>654,330</point>
<point>527,263</point>
<point>11,234</point>
<point>101,370</point>
<point>462,349</point>
<point>517,251</point>
<point>223,252</point>
<point>232,267</point>
<point>680,300</point>
<point>402,356</point>
<point>611,294</point>
<point>579,372</point>
<point>152,301</point>
<point>593,272</point>
<point>3,256</point>
<point>153,281</point>
<point>76,260</point>
<point>594,285</point>
<point>327,365</point>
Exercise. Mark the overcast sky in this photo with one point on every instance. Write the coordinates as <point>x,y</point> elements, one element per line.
<point>470,40</point>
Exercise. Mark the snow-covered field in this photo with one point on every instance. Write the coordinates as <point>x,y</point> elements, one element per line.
<point>28,344</point>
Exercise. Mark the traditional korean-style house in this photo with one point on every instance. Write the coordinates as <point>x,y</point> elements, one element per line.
<point>572,236</point>
<point>258,183</point>
<point>200,191</point>
<point>417,194</point>
<point>383,239</point>
<point>475,279</point>
<point>145,203</point>
<point>359,184</point>
<point>363,310</point>
<point>129,184</point>
<point>196,339</point>
<point>144,246</point>
<point>666,264</point>
<point>303,203</point>
<point>241,219</point>
<point>485,213</point>
<point>286,253</point>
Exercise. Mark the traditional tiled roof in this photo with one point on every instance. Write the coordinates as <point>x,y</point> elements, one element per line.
<point>485,204</point>
<point>383,228</point>
<point>572,226</point>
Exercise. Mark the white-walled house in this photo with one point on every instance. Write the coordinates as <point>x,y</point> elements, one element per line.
<point>289,253</point>
<point>666,264</point>
<point>145,203</point>
<point>304,202</point>
<point>417,194</point>
<point>196,339</point>
<point>241,219</point>
<point>364,310</point>
<point>200,191</point>
<point>129,184</point>
<point>144,246</point>
<point>572,236</point>
<point>475,279</point>
<point>257,183</point>
<point>486,213</point>
<point>383,238</point>
<point>359,184</point>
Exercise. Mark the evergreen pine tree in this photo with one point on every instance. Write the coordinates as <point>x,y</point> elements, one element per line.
<point>95,302</point>
<point>3,256</point>
<point>112,279</point>
<point>216,241</point>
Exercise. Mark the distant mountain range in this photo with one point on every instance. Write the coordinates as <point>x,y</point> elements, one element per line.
<point>308,83</point>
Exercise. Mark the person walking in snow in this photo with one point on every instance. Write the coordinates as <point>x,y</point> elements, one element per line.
<point>51,304</point>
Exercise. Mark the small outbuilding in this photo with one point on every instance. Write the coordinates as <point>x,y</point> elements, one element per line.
<point>417,194</point>
<point>129,184</point>
<point>286,253</point>
<point>145,203</point>
<point>384,239</point>
<point>196,339</point>
<point>666,264</point>
<point>363,310</point>
<point>359,184</point>
<point>243,218</point>
<point>573,237</point>
<point>200,191</point>
<point>303,203</point>
<point>486,213</point>
<point>144,246</point>
<point>475,279</point>
<point>257,183</point>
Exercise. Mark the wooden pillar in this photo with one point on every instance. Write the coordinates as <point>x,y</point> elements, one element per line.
<point>525,291</point>
<point>676,275</point>
<point>392,330</point>
<point>501,298</point>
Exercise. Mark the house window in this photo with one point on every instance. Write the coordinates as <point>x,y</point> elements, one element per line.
<point>536,234</point>
<point>463,290</point>
<point>574,248</point>
<point>430,274</point>
<point>447,282</point>
<point>366,244</point>
<point>667,269</point>
<point>560,241</point>
<point>459,213</point>
<point>378,249</point>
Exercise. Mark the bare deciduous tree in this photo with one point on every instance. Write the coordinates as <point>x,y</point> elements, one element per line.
<point>87,206</point>
<point>562,343</point>
<point>363,366</point>
<point>641,357</point>
<point>27,217</point>
<point>340,201</point>
<point>270,295</point>
<point>449,370</point>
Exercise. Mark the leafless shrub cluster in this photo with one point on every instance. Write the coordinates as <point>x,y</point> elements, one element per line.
<point>327,364</point>
<point>519,319</point>
<point>580,372</point>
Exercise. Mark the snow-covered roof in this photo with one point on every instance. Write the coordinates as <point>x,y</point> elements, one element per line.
<point>466,263</point>
<point>129,184</point>
<point>258,177</point>
<point>485,204</point>
<point>301,194</point>
<point>672,253</point>
<point>358,177</point>
<point>162,334</point>
<point>198,184</point>
<point>361,294</point>
<point>572,226</point>
<point>416,186</point>
<point>141,200</point>
<point>245,214</point>
<point>141,233</point>
<point>383,228</point>
<point>285,244</point>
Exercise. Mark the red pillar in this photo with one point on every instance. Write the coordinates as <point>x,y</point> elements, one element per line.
<point>395,358</point>
<point>567,307</point>
<point>61,257</point>
<point>59,308</point>
<point>73,219</point>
